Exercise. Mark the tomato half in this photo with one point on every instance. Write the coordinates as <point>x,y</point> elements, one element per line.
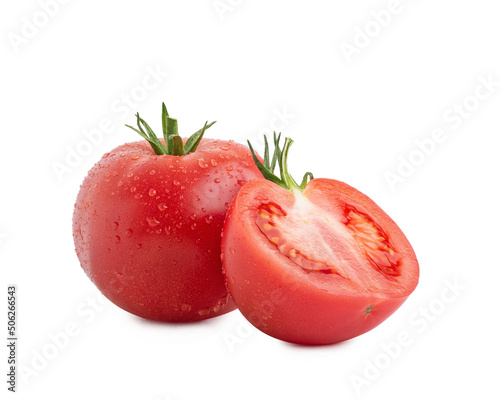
<point>147,227</point>
<point>317,264</point>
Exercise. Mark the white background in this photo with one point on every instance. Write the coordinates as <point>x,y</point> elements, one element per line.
<point>353,118</point>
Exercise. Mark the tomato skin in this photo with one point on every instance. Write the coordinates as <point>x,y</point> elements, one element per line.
<point>147,228</point>
<point>279,297</point>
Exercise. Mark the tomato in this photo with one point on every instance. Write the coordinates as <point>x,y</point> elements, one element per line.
<point>147,223</point>
<point>316,263</point>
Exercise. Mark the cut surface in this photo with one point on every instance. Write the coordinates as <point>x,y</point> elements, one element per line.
<point>374,241</point>
<point>341,242</point>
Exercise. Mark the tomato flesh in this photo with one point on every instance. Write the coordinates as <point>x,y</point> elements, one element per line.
<point>320,241</point>
<point>315,267</point>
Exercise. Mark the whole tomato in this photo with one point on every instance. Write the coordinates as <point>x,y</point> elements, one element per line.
<point>148,219</point>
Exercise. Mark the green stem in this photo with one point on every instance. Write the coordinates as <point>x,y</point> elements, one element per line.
<point>173,142</point>
<point>281,155</point>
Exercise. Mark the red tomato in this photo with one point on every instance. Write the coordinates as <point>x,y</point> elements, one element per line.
<point>314,264</point>
<point>147,227</point>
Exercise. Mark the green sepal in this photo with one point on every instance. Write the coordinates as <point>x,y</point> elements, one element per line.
<point>280,156</point>
<point>263,170</point>
<point>195,139</point>
<point>173,142</point>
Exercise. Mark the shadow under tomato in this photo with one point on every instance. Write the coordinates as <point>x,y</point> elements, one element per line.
<point>180,324</point>
<point>337,345</point>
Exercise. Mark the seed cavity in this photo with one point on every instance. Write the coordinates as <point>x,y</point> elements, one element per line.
<point>374,242</point>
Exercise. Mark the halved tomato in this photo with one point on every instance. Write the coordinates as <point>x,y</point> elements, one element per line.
<point>315,263</point>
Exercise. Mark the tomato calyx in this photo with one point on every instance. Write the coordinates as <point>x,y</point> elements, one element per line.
<point>173,144</point>
<point>280,156</point>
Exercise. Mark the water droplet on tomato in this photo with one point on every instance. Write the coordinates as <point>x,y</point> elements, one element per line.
<point>152,221</point>
<point>193,226</point>
<point>241,182</point>
<point>133,189</point>
<point>120,183</point>
<point>129,232</point>
<point>135,157</point>
<point>213,162</point>
<point>152,172</point>
<point>117,239</point>
<point>217,180</point>
<point>152,192</point>
<point>209,219</point>
<point>130,174</point>
<point>224,148</point>
<point>176,183</point>
<point>139,245</point>
<point>202,164</point>
<point>162,206</point>
<point>229,168</point>
<point>115,225</point>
